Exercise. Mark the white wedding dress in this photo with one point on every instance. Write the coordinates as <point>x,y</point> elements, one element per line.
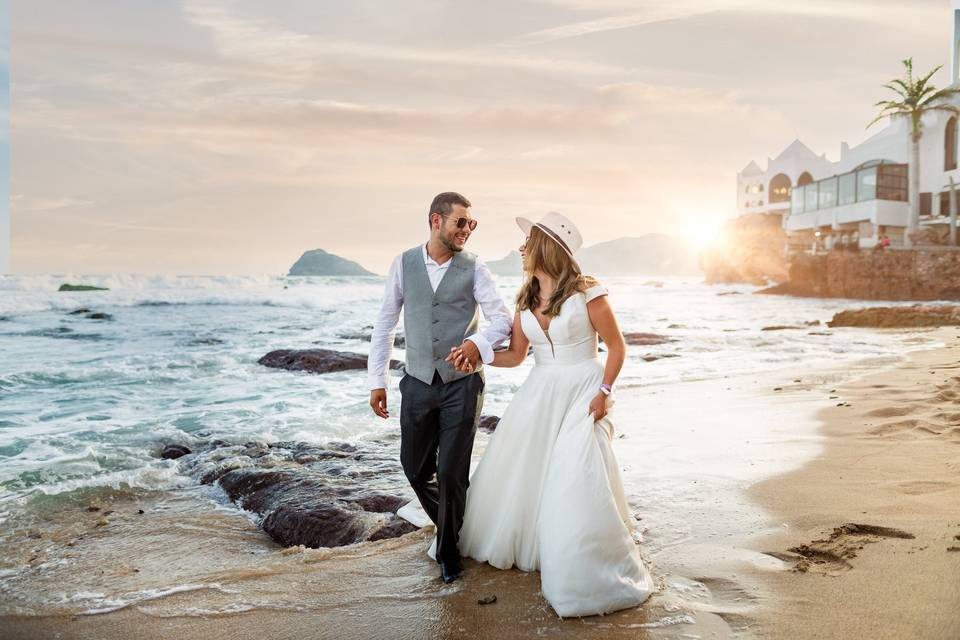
<point>547,494</point>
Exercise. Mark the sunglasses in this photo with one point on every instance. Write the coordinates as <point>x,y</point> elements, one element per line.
<point>465,222</point>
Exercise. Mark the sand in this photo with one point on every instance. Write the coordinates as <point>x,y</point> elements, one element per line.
<point>781,565</point>
<point>891,461</point>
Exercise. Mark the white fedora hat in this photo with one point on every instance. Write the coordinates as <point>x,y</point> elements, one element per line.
<point>559,228</point>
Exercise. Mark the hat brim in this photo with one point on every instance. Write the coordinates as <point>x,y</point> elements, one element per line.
<point>527,225</point>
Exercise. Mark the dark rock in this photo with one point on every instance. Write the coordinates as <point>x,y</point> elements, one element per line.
<point>202,342</point>
<point>174,451</point>
<point>653,358</point>
<point>99,315</point>
<point>898,317</point>
<point>779,327</point>
<point>646,339</point>
<point>316,495</point>
<point>729,293</point>
<point>488,423</point>
<point>812,323</point>
<point>317,360</point>
<point>77,312</point>
<point>487,600</point>
<point>80,287</point>
<point>318,262</point>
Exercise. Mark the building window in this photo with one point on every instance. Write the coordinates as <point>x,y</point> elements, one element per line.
<point>796,200</point>
<point>866,184</point>
<point>780,188</point>
<point>848,189</point>
<point>828,193</point>
<point>804,179</point>
<point>810,198</point>
<point>945,204</point>
<point>926,203</point>
<point>950,145</point>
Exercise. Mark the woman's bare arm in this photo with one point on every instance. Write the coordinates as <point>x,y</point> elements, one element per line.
<point>519,344</point>
<point>603,320</point>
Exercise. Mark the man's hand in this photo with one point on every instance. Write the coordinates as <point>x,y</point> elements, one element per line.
<point>378,402</point>
<point>465,357</point>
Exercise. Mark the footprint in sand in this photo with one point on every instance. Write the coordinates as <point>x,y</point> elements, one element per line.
<point>907,428</point>
<point>891,412</point>
<point>921,487</point>
<point>832,556</point>
<point>949,418</point>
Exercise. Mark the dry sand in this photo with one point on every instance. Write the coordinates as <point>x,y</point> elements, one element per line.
<point>891,468</point>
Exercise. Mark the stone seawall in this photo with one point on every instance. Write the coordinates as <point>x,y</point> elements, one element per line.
<point>874,275</point>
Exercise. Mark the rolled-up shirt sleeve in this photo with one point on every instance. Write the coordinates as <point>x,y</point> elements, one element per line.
<point>385,327</point>
<point>499,320</point>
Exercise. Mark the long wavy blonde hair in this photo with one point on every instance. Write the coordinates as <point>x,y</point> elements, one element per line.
<point>547,256</point>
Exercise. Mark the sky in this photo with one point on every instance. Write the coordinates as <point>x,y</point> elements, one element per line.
<point>227,137</point>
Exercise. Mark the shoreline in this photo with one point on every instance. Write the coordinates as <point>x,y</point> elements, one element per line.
<point>889,467</point>
<point>715,582</point>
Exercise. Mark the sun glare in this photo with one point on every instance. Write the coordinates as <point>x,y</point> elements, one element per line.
<point>701,232</point>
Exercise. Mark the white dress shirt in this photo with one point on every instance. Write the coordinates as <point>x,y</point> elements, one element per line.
<point>497,331</point>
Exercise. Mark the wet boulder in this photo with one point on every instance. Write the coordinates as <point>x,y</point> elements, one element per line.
<point>917,315</point>
<point>174,451</point>
<point>646,339</point>
<point>317,360</point>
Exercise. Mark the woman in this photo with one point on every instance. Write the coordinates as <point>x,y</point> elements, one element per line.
<point>547,494</point>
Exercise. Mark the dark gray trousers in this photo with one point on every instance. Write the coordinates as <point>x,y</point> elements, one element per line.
<point>437,425</point>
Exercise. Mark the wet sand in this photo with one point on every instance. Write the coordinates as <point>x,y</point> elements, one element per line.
<point>892,463</point>
<point>704,445</point>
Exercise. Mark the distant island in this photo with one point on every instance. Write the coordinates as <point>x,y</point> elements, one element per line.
<point>80,287</point>
<point>318,262</point>
<point>653,254</point>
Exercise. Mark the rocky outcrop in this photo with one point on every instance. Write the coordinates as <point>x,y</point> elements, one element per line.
<point>80,287</point>
<point>316,496</point>
<point>317,360</point>
<point>174,451</point>
<point>750,249</point>
<point>874,275</point>
<point>895,317</point>
<point>320,263</point>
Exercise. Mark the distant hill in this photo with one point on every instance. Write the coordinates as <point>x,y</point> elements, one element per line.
<point>318,262</point>
<point>653,254</point>
<point>508,266</point>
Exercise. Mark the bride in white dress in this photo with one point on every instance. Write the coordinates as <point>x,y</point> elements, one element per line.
<point>547,494</point>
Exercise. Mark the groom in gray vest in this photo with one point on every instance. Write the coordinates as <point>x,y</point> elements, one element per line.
<point>439,287</point>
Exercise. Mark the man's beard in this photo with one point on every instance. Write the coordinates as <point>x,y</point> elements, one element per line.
<point>448,243</point>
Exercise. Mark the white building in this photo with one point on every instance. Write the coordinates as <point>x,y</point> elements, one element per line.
<point>862,197</point>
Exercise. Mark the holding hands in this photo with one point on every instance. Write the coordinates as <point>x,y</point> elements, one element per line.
<point>465,357</point>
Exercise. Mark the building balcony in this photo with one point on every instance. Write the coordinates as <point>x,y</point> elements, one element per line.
<point>876,194</point>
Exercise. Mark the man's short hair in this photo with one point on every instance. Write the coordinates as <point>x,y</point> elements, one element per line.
<point>443,203</point>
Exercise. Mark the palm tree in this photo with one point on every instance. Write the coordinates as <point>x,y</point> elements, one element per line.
<point>915,98</point>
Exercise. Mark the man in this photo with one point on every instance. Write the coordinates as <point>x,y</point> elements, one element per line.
<point>439,287</point>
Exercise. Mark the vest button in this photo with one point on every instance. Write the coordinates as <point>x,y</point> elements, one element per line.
<point>436,304</point>
<point>436,339</point>
<point>435,321</point>
<point>436,357</point>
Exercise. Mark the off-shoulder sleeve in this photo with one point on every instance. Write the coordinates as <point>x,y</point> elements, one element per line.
<point>595,291</point>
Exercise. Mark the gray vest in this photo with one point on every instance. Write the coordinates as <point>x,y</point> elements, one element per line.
<point>436,322</point>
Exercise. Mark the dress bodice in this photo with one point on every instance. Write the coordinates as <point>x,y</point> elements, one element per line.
<point>570,337</point>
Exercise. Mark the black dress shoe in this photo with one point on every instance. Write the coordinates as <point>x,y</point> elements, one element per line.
<point>450,570</point>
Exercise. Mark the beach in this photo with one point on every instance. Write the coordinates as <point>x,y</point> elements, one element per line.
<point>891,461</point>
<point>717,423</point>
<point>862,447</point>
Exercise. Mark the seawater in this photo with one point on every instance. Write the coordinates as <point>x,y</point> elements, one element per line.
<point>89,403</point>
